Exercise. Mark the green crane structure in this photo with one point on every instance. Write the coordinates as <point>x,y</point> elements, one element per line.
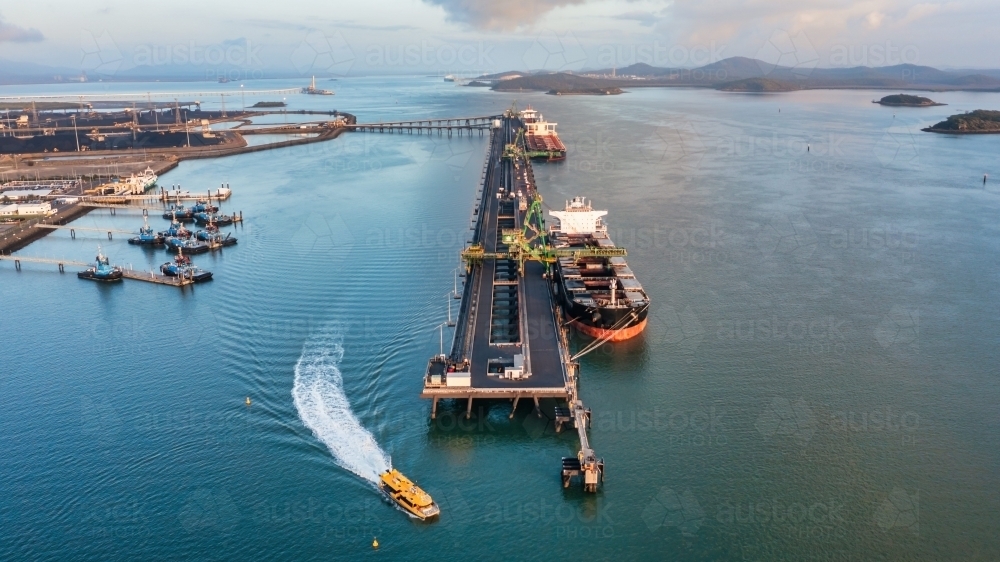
<point>531,243</point>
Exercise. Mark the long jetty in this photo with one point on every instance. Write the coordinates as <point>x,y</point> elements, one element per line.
<point>510,341</point>
<point>449,126</point>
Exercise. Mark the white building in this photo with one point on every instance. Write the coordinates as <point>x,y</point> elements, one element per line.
<point>23,209</point>
<point>8,210</point>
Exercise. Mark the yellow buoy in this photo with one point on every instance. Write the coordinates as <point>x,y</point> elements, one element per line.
<point>248,400</point>
<point>375,544</point>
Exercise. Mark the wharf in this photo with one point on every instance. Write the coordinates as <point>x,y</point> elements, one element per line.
<point>510,342</point>
<point>147,276</point>
<point>151,277</point>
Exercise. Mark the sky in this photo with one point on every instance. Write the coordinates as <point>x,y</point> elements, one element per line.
<point>251,39</point>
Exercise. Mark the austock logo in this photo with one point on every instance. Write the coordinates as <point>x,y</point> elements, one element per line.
<point>900,510</point>
<point>790,235</point>
<point>783,49</point>
<point>101,54</point>
<point>554,52</point>
<point>675,147</point>
<point>670,509</point>
<point>209,510</point>
<point>899,326</point>
<point>680,330</point>
<point>783,418</point>
<point>321,53</point>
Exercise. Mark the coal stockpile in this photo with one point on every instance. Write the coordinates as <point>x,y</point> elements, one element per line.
<point>64,141</point>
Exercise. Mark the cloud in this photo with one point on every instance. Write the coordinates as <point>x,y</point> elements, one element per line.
<point>342,24</point>
<point>874,19</point>
<point>499,15</point>
<point>647,19</point>
<point>17,34</point>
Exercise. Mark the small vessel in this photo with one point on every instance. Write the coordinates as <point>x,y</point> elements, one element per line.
<point>201,206</point>
<point>137,184</point>
<point>313,90</point>
<point>179,213</point>
<point>600,295</point>
<point>182,267</point>
<point>449,78</point>
<point>102,270</point>
<point>209,218</point>
<point>407,495</point>
<point>214,238</point>
<point>186,245</point>
<point>176,230</point>
<point>147,237</point>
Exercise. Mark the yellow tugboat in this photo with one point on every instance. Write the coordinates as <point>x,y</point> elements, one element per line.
<point>408,495</point>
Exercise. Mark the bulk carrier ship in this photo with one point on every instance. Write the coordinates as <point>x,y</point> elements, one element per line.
<point>600,295</point>
<point>540,138</point>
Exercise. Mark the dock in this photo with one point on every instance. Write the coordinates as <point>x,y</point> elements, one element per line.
<point>448,126</point>
<point>510,341</point>
<point>72,230</point>
<point>150,277</point>
<point>147,276</point>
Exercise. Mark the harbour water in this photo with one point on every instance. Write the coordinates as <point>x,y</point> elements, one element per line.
<point>817,381</point>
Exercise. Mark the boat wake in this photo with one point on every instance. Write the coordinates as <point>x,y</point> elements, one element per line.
<point>318,393</point>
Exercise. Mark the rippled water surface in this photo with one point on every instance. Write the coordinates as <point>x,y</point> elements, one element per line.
<point>817,381</point>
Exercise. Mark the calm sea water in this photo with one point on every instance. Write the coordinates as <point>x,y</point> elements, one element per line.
<point>817,381</point>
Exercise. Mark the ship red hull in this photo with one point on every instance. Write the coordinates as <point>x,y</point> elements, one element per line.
<point>615,335</point>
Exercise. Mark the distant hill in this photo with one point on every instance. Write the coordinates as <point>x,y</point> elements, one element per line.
<point>978,121</point>
<point>759,85</point>
<point>734,69</point>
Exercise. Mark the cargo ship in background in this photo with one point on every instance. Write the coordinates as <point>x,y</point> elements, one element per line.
<point>311,89</point>
<point>540,138</point>
<point>600,295</point>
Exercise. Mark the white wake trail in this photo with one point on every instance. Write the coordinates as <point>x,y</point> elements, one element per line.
<point>318,393</point>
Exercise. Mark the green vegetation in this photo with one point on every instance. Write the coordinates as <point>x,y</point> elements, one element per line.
<point>586,92</point>
<point>269,104</point>
<point>906,100</point>
<point>978,121</point>
<point>561,82</point>
<point>758,85</point>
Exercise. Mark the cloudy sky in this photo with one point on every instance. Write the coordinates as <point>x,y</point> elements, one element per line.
<point>406,36</point>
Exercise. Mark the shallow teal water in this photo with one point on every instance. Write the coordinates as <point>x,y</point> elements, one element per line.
<point>817,381</point>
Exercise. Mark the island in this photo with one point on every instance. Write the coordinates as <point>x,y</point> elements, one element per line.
<point>585,92</point>
<point>980,121</point>
<point>905,100</point>
<point>758,85</point>
<point>269,104</point>
<point>559,84</point>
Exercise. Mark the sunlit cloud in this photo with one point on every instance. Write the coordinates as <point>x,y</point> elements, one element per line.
<point>17,34</point>
<point>499,15</point>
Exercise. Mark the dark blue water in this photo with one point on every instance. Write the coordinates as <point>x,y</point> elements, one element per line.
<point>818,379</point>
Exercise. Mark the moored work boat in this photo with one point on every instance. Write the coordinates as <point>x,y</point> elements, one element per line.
<point>408,495</point>
<point>147,237</point>
<point>182,267</point>
<point>102,270</point>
